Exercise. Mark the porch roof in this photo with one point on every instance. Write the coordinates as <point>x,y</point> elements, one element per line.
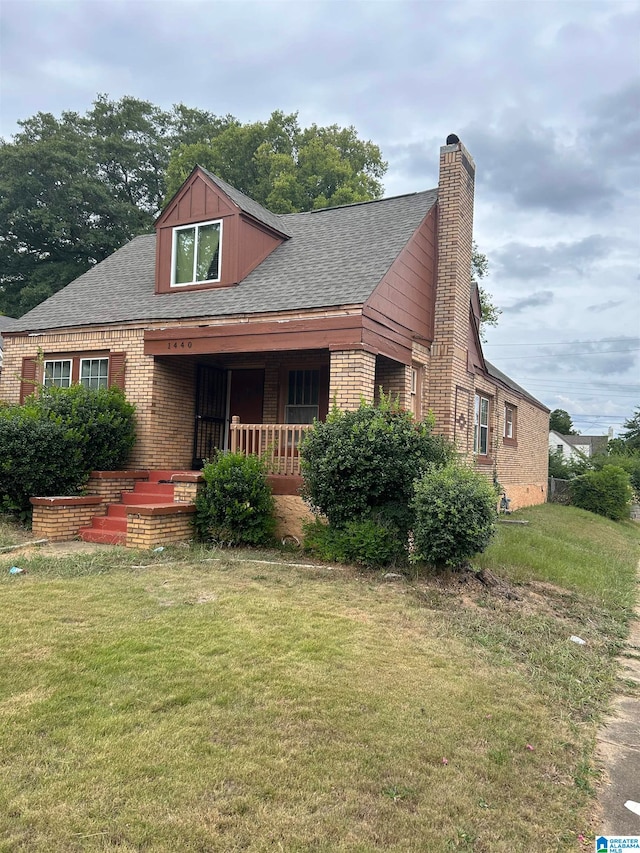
<point>336,256</point>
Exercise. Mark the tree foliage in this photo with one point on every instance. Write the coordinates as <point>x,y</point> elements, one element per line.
<point>74,189</point>
<point>560,421</point>
<point>284,167</point>
<point>489,311</point>
<point>631,436</point>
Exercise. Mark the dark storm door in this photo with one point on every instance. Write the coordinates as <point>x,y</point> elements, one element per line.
<point>211,413</point>
<point>246,401</point>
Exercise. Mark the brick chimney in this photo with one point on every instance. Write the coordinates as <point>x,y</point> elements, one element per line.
<point>451,386</point>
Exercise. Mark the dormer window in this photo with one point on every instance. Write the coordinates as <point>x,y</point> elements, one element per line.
<point>196,254</point>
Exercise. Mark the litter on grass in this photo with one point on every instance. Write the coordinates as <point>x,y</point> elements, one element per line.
<point>16,570</point>
<point>578,640</point>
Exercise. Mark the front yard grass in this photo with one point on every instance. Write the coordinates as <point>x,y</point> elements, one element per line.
<point>225,701</point>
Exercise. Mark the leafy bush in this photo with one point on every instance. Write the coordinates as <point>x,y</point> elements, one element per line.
<point>51,444</point>
<point>38,457</point>
<point>629,461</point>
<point>360,465</point>
<point>364,543</point>
<point>566,468</point>
<point>455,515</point>
<point>102,421</point>
<point>236,505</point>
<point>606,492</point>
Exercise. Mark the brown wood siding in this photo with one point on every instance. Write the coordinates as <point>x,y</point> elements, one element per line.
<point>254,245</point>
<point>244,243</point>
<point>319,333</point>
<point>406,293</point>
<point>196,202</point>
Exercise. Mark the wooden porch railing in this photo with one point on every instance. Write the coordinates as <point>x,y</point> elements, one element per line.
<point>276,443</point>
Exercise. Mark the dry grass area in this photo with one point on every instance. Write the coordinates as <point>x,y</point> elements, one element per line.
<point>226,701</point>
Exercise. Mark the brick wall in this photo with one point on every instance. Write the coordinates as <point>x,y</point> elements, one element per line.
<point>519,465</point>
<point>352,378</point>
<point>109,485</point>
<point>148,529</point>
<point>395,380</point>
<point>59,519</point>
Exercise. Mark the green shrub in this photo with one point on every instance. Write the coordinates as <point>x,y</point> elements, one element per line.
<point>38,457</point>
<point>629,461</point>
<point>455,515</point>
<point>51,444</point>
<point>566,468</point>
<point>363,543</point>
<point>606,492</point>
<point>235,506</point>
<point>102,421</point>
<point>360,465</point>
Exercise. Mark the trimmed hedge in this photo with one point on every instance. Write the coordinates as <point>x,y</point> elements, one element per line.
<point>50,445</point>
<point>37,457</point>
<point>455,515</point>
<point>236,506</point>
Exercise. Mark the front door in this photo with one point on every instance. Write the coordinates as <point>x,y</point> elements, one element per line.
<point>247,395</point>
<point>211,420</point>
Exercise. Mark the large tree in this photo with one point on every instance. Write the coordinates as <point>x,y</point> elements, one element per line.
<point>560,421</point>
<point>75,188</point>
<point>285,167</point>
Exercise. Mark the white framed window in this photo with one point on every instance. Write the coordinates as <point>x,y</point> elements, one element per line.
<point>94,372</point>
<point>196,253</point>
<point>57,372</point>
<point>481,426</point>
<point>510,422</point>
<point>303,397</point>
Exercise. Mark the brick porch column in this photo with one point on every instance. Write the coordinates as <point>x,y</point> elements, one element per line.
<point>352,378</point>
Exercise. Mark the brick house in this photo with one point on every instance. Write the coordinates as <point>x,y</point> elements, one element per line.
<point>232,313</point>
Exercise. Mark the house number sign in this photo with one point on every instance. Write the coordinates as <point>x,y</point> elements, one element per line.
<point>179,344</point>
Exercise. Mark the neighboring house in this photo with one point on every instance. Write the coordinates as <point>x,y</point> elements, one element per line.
<point>5,324</point>
<point>577,446</point>
<point>230,310</point>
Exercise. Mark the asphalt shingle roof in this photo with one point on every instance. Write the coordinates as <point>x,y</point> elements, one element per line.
<point>247,204</point>
<point>493,371</point>
<point>336,256</point>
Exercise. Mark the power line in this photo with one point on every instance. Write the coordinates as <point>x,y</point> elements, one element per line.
<point>555,355</point>
<point>564,343</point>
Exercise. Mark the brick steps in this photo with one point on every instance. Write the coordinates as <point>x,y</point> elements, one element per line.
<point>154,494</point>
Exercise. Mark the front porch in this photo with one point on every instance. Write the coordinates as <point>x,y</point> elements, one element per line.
<point>196,405</point>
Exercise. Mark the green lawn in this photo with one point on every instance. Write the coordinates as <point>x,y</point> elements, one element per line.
<point>228,701</point>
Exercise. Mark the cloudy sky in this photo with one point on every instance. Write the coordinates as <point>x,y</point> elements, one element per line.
<point>545,95</point>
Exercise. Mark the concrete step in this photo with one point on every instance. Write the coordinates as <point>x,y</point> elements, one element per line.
<point>117,511</point>
<point>135,498</point>
<point>105,537</point>
<point>164,490</point>
<point>161,476</point>
<point>110,522</point>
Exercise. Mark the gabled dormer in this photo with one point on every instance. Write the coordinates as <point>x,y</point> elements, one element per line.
<point>211,235</point>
